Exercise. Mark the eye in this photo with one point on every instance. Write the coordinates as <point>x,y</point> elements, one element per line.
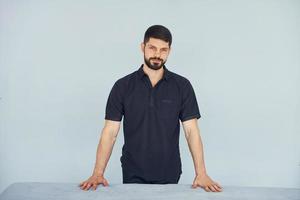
<point>164,50</point>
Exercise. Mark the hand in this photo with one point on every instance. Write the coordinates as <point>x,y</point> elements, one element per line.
<point>205,182</point>
<point>93,182</point>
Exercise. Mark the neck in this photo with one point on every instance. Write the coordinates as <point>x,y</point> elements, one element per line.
<point>154,75</point>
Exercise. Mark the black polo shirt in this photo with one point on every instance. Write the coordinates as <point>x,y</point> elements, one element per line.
<point>151,123</point>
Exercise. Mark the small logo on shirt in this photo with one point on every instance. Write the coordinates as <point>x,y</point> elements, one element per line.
<point>166,101</point>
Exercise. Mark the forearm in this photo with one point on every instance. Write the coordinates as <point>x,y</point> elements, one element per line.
<point>104,151</point>
<point>196,149</point>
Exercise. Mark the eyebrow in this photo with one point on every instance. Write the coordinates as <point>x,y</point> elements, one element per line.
<point>150,45</point>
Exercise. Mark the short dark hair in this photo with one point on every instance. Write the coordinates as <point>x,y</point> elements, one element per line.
<point>158,32</point>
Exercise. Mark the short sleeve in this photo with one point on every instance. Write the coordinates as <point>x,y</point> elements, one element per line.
<point>114,107</point>
<point>189,106</point>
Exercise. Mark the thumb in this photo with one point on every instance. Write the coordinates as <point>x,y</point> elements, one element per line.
<point>194,185</point>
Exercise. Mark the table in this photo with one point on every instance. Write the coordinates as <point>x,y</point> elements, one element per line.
<point>71,191</point>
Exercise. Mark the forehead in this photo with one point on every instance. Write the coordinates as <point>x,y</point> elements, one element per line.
<point>158,43</point>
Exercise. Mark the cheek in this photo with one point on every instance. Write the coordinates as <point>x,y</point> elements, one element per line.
<point>164,57</point>
<point>147,54</point>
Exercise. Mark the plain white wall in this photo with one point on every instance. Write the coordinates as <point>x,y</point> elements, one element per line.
<point>59,60</point>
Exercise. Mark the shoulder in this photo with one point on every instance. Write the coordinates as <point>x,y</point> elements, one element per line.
<point>123,82</point>
<point>180,80</point>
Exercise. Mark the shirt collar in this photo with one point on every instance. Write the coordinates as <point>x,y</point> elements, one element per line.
<point>166,74</point>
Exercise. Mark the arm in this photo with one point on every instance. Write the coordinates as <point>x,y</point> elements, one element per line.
<point>104,150</point>
<point>192,135</point>
<point>105,146</point>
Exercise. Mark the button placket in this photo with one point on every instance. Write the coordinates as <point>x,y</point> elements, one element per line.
<point>151,97</point>
<point>152,90</point>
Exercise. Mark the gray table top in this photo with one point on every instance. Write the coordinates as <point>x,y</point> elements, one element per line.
<point>66,191</point>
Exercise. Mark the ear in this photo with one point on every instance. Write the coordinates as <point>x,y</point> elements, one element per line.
<point>143,47</point>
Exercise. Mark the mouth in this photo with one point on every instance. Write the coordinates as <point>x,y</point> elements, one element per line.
<point>156,60</point>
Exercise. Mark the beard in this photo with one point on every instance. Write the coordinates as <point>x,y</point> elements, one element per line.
<point>157,63</point>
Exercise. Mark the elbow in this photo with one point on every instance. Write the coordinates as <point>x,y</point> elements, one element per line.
<point>187,134</point>
<point>192,133</point>
<point>110,134</point>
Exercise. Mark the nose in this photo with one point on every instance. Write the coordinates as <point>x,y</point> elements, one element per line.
<point>157,54</point>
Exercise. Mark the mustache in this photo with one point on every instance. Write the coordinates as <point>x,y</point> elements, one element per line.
<point>155,58</point>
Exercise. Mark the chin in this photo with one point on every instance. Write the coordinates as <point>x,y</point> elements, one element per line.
<point>155,67</point>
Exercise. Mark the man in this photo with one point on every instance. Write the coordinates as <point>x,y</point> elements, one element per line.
<point>152,100</point>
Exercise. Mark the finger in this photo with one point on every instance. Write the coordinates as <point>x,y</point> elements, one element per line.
<point>83,186</point>
<point>95,186</point>
<point>83,183</point>
<point>80,184</point>
<point>105,183</point>
<point>212,188</point>
<point>194,185</point>
<point>217,188</point>
<point>91,185</point>
<point>88,186</point>
<point>207,189</point>
<point>218,185</point>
